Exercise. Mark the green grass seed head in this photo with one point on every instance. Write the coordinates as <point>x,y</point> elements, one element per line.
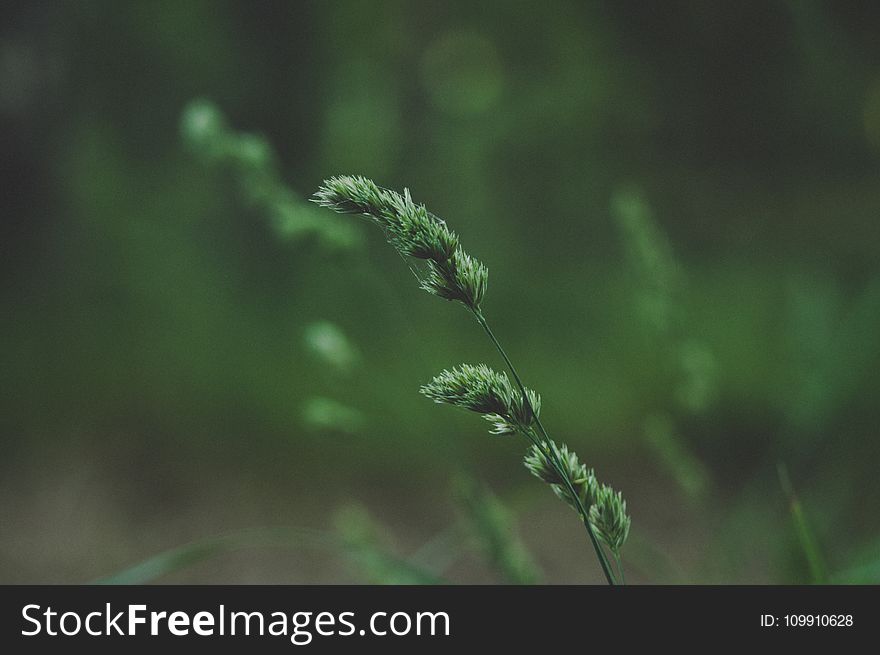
<point>579,477</point>
<point>485,391</point>
<point>609,518</point>
<point>449,272</point>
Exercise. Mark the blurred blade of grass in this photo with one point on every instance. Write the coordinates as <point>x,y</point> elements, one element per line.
<point>846,360</point>
<point>866,569</point>
<point>688,364</point>
<point>868,573</point>
<point>492,529</point>
<point>182,557</point>
<point>362,537</point>
<point>255,169</point>
<point>686,469</point>
<point>650,258</point>
<point>653,563</point>
<point>805,535</point>
<point>440,552</point>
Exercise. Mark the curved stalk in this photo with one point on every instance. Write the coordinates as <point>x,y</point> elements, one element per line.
<point>550,452</point>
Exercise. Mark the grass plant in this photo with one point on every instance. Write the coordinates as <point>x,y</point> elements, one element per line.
<point>444,269</point>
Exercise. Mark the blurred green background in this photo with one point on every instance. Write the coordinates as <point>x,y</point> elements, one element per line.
<point>678,203</point>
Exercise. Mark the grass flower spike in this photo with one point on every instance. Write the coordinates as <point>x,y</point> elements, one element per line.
<point>580,479</point>
<point>487,392</point>
<point>444,269</point>
<point>609,518</point>
<point>449,272</point>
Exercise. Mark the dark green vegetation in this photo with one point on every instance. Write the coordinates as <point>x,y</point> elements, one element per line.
<point>679,205</point>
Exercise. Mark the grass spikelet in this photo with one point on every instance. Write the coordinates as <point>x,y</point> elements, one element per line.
<point>449,272</point>
<point>480,389</point>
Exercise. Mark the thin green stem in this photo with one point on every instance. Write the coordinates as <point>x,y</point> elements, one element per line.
<point>620,567</point>
<point>550,452</point>
<point>806,536</point>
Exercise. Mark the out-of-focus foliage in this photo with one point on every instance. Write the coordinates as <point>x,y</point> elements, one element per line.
<point>330,346</point>
<point>161,383</point>
<point>366,541</point>
<point>688,364</point>
<point>252,163</point>
<point>811,550</point>
<point>325,414</point>
<point>491,528</point>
